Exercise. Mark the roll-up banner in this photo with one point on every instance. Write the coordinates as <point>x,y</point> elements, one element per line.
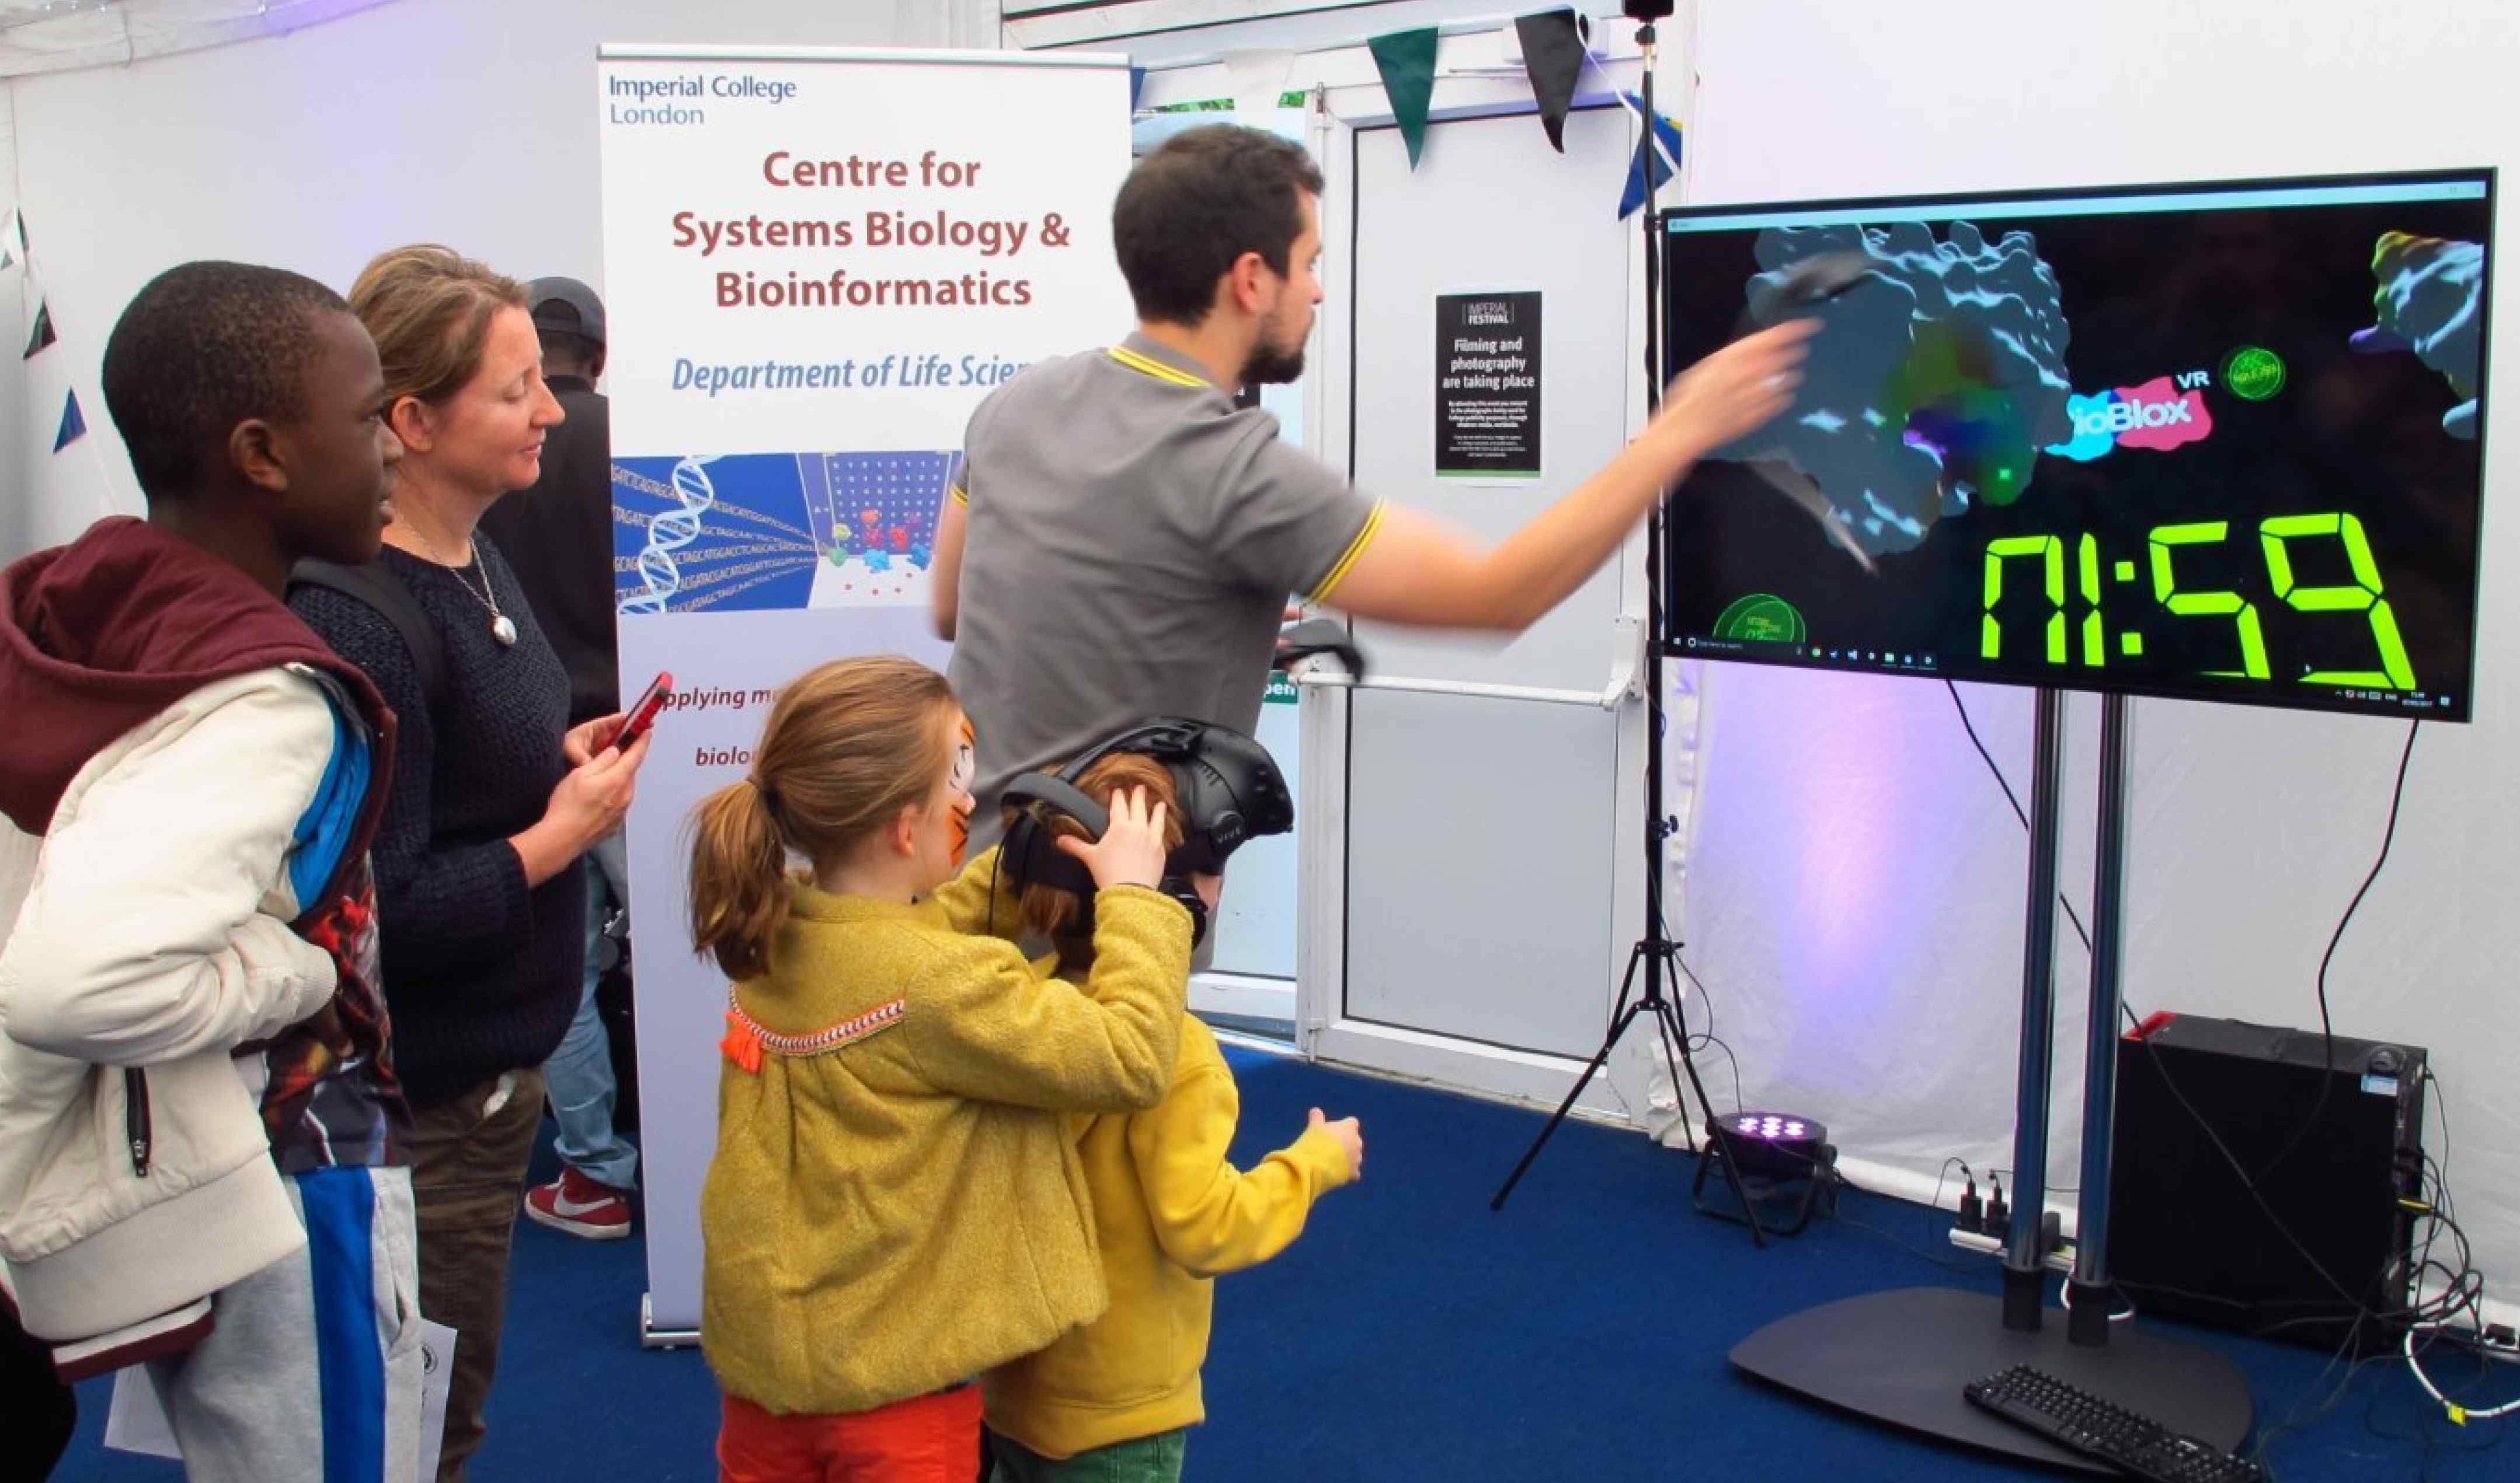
<point>817,262</point>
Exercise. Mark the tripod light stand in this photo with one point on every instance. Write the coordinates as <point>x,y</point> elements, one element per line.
<point>1655,955</point>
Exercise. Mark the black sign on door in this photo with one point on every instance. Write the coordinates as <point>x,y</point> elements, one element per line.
<point>1487,386</point>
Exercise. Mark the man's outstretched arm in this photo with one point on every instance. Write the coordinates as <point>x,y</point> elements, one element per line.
<point>1419,569</point>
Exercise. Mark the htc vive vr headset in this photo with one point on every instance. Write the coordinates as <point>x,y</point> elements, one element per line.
<point>1229,788</point>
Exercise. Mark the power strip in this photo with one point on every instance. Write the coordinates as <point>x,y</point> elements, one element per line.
<point>2498,1343</point>
<point>2059,1260</point>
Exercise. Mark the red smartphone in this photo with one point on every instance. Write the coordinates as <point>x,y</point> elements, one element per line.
<point>643,714</point>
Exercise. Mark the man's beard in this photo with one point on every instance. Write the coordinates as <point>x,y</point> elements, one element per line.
<point>1268,365</point>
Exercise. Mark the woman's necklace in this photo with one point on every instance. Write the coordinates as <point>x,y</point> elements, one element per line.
<point>502,627</point>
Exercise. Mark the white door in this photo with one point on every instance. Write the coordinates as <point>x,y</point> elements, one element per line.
<point>1472,854</point>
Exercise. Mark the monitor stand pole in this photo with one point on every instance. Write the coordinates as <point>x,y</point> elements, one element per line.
<point>1900,1357</point>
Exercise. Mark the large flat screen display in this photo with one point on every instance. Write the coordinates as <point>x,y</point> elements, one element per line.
<point>2222,442</point>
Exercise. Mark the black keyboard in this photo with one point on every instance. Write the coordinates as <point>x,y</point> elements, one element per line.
<point>2080,1421</point>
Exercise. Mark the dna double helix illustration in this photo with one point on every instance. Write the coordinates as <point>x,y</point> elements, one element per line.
<point>670,532</point>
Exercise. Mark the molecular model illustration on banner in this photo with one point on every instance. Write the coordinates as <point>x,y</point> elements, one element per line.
<point>776,530</point>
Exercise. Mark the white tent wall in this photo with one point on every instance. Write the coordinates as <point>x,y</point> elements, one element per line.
<point>1855,881</point>
<point>1853,877</point>
<point>471,122</point>
<point>15,536</point>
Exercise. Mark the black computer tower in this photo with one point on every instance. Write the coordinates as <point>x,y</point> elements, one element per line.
<point>2186,1237</point>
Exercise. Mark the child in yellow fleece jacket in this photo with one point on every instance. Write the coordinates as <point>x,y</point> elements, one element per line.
<point>895,1202</point>
<point>1115,1398</point>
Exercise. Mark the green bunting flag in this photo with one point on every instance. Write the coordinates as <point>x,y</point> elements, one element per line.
<point>1407,62</point>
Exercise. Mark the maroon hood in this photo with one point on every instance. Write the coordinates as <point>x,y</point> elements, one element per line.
<point>97,635</point>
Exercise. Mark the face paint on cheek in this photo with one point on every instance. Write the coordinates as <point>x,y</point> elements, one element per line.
<point>959,778</point>
<point>967,761</point>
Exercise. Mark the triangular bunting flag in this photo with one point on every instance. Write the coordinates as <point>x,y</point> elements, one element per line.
<point>1137,86</point>
<point>18,229</point>
<point>8,259</point>
<point>43,334</point>
<point>1258,78</point>
<point>1407,62</point>
<point>72,425</point>
<point>1553,57</point>
<point>1661,145</point>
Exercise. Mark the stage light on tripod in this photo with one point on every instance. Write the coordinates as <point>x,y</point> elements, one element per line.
<point>1783,1161</point>
<point>1772,1144</point>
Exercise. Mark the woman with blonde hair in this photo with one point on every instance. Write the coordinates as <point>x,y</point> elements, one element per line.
<point>493,798</point>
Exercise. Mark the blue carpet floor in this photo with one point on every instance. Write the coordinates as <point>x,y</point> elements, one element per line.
<point>1412,1335</point>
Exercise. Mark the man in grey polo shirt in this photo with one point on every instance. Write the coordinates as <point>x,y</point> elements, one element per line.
<point>1123,541</point>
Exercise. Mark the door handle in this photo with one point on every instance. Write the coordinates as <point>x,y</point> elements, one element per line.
<point>1625,666</point>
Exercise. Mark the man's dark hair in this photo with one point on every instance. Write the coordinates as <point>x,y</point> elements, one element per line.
<point>1204,197</point>
<point>201,348</point>
<point>575,352</point>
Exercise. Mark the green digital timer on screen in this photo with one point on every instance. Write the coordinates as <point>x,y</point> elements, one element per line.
<point>2216,442</point>
<point>2364,596</point>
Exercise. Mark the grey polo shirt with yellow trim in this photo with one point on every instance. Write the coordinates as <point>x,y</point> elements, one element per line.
<point>1132,541</point>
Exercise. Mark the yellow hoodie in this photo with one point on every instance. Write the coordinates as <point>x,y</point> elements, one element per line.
<point>895,1202</point>
<point>1170,1215</point>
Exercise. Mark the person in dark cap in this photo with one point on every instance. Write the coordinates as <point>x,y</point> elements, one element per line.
<point>558,536</point>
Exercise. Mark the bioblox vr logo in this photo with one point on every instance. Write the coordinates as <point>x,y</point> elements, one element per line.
<point>2162,413</point>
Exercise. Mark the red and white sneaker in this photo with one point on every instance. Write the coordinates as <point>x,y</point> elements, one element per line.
<point>580,1207</point>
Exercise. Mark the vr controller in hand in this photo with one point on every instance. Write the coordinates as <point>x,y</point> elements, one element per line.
<point>1314,637</point>
<point>1229,788</point>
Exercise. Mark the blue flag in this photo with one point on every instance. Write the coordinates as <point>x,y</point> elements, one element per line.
<point>72,425</point>
<point>1659,149</point>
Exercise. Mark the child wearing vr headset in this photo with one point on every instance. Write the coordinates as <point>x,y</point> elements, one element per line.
<point>896,1204</point>
<point>1116,1398</point>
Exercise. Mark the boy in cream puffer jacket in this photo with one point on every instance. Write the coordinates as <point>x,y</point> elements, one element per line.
<point>200,1128</point>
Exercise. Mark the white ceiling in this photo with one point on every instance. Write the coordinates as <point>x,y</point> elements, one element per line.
<point>62,35</point>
